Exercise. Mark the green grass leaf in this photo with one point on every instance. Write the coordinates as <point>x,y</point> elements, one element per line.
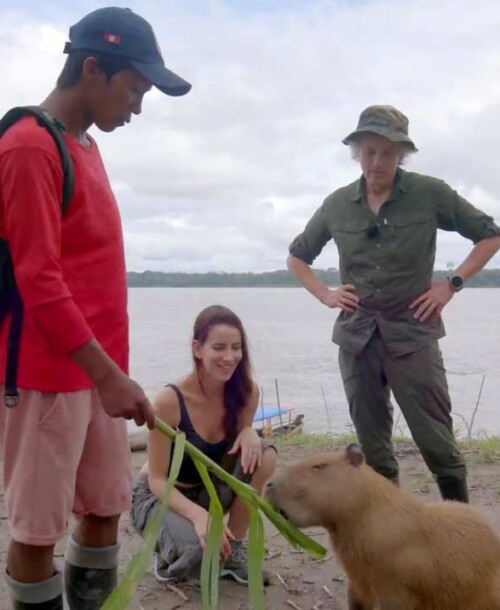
<point>122,596</point>
<point>210,566</point>
<point>255,560</point>
<point>295,536</point>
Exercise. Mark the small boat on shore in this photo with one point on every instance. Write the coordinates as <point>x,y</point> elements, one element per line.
<point>277,421</point>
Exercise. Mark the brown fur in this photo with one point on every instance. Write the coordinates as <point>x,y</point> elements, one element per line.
<point>398,553</point>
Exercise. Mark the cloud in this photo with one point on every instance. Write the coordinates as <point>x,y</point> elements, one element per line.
<point>224,178</point>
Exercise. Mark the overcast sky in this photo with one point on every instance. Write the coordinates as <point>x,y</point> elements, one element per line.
<point>223,178</point>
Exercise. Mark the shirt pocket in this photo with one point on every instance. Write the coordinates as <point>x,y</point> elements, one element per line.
<point>412,240</point>
<point>352,240</point>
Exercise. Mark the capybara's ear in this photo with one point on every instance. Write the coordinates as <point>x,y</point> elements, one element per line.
<point>354,454</point>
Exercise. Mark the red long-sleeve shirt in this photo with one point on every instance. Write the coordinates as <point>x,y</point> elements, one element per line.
<point>70,269</point>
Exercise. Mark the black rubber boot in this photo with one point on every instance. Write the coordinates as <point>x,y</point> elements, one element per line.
<point>88,588</point>
<point>453,489</point>
<point>53,604</point>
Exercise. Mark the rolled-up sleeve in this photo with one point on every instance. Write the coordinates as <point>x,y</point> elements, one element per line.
<point>309,244</point>
<point>31,190</point>
<point>456,214</point>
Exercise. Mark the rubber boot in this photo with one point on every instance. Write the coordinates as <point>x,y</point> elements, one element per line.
<point>90,574</point>
<point>88,588</point>
<point>453,489</point>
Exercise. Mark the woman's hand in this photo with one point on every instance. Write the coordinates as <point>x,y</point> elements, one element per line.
<point>200,522</point>
<point>249,443</point>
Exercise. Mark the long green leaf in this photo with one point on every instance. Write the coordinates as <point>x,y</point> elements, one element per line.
<point>255,560</point>
<point>210,563</point>
<point>122,596</point>
<point>295,536</point>
<point>214,535</point>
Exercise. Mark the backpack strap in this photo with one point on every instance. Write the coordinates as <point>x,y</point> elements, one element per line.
<point>11,301</point>
<point>55,129</point>
<point>11,395</point>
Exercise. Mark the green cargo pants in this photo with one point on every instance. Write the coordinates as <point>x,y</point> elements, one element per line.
<point>418,382</point>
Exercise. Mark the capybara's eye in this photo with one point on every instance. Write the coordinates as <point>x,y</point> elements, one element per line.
<point>320,466</point>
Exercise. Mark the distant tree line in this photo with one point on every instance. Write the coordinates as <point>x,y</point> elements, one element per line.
<point>281,278</point>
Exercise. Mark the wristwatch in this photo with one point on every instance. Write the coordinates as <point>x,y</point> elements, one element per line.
<point>456,282</point>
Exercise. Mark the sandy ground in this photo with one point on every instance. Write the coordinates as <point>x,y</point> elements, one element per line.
<point>300,582</point>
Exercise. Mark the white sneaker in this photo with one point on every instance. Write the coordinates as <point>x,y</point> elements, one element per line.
<point>160,568</point>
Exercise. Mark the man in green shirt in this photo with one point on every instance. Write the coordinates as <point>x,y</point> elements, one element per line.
<point>384,226</point>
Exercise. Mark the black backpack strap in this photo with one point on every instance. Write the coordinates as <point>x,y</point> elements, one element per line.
<point>10,298</point>
<point>10,303</point>
<point>55,129</point>
<point>11,396</point>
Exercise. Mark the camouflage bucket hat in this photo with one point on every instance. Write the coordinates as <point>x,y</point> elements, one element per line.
<point>385,121</point>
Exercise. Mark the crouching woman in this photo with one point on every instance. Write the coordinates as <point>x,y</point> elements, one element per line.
<point>214,405</point>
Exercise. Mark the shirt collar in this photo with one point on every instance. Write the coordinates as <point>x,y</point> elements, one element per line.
<point>399,185</point>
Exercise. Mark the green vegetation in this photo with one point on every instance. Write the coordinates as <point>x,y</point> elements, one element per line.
<point>282,278</point>
<point>482,449</point>
<point>316,441</point>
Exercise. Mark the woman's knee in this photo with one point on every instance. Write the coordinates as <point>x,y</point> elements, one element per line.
<point>269,459</point>
<point>266,468</point>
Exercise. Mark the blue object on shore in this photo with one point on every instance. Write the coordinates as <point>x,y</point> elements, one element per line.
<point>264,413</point>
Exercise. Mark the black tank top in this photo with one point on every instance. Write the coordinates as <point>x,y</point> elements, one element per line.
<point>215,451</point>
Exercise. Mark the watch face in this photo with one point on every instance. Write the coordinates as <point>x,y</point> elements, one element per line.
<point>457,282</point>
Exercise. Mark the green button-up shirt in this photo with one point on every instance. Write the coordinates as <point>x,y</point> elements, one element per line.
<point>389,257</point>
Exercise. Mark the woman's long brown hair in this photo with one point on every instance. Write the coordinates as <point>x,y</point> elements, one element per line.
<point>237,390</point>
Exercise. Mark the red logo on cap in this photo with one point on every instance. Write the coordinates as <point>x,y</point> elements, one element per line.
<point>114,38</point>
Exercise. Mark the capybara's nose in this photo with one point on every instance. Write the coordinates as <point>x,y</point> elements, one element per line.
<point>268,487</point>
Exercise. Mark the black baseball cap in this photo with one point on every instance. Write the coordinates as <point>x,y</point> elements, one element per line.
<point>119,31</point>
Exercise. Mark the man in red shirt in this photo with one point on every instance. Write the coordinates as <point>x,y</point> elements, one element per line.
<point>65,447</point>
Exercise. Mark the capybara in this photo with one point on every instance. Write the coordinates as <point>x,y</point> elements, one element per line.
<point>398,552</point>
